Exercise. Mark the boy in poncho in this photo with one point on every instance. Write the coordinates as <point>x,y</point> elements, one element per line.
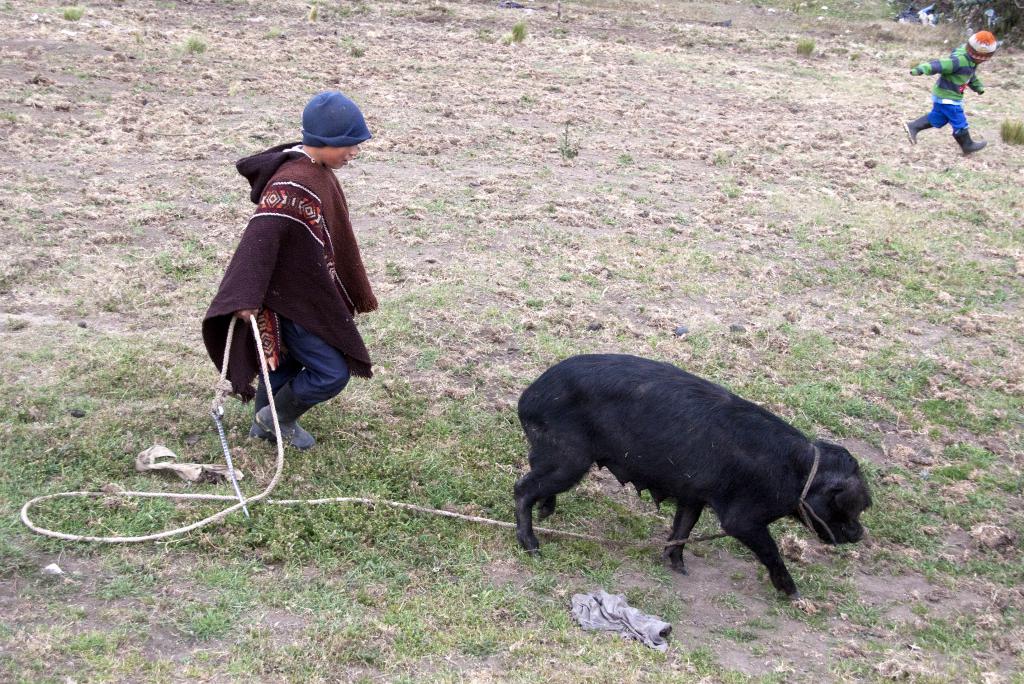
<point>956,74</point>
<point>298,269</point>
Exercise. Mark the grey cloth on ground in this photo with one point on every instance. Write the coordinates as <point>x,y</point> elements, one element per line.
<point>610,612</point>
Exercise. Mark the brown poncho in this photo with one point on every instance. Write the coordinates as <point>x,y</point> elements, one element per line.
<point>298,257</point>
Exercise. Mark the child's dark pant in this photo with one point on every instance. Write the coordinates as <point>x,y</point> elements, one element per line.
<point>316,370</point>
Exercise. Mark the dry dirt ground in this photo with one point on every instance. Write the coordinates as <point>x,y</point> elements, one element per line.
<point>669,179</point>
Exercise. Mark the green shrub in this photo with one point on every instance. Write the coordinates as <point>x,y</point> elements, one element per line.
<point>73,13</point>
<point>518,32</point>
<point>568,148</point>
<point>195,45</point>
<point>805,46</point>
<point>1012,132</point>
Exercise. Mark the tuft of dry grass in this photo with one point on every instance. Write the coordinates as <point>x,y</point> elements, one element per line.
<point>195,45</point>
<point>518,34</point>
<point>567,147</point>
<point>805,47</point>
<point>1012,132</point>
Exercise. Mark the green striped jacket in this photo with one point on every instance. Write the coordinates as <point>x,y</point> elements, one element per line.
<point>956,73</point>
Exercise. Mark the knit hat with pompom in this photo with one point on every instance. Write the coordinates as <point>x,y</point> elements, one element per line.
<point>982,44</point>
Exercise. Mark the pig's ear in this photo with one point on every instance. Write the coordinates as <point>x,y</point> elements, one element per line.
<point>850,495</point>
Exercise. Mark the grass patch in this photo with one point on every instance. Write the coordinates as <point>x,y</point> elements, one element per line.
<point>738,634</point>
<point>805,47</point>
<point>209,621</point>
<point>1012,132</point>
<point>73,13</point>
<point>195,45</point>
<point>188,262</point>
<point>841,9</point>
<point>518,34</point>
<point>568,148</point>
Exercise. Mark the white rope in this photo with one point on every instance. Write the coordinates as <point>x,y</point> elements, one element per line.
<point>222,390</point>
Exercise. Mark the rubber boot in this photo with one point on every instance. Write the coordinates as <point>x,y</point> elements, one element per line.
<point>258,403</point>
<point>914,127</point>
<point>966,144</point>
<point>289,408</point>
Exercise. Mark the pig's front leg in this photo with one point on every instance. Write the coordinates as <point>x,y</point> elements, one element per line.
<point>759,540</point>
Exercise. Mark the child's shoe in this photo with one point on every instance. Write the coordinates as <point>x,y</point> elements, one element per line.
<point>289,408</point>
<point>914,127</point>
<point>260,401</point>
<point>966,144</point>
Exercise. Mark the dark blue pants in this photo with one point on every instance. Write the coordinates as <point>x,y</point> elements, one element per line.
<point>316,370</point>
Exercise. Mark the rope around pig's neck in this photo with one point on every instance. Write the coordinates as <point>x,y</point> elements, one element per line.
<point>806,512</point>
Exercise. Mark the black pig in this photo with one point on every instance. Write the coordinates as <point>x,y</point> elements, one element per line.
<point>682,438</point>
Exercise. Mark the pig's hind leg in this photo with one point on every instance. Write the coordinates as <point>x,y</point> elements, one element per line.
<point>687,515</point>
<point>550,474</point>
<point>547,507</point>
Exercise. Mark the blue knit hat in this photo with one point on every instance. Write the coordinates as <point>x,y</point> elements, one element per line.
<point>332,120</point>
